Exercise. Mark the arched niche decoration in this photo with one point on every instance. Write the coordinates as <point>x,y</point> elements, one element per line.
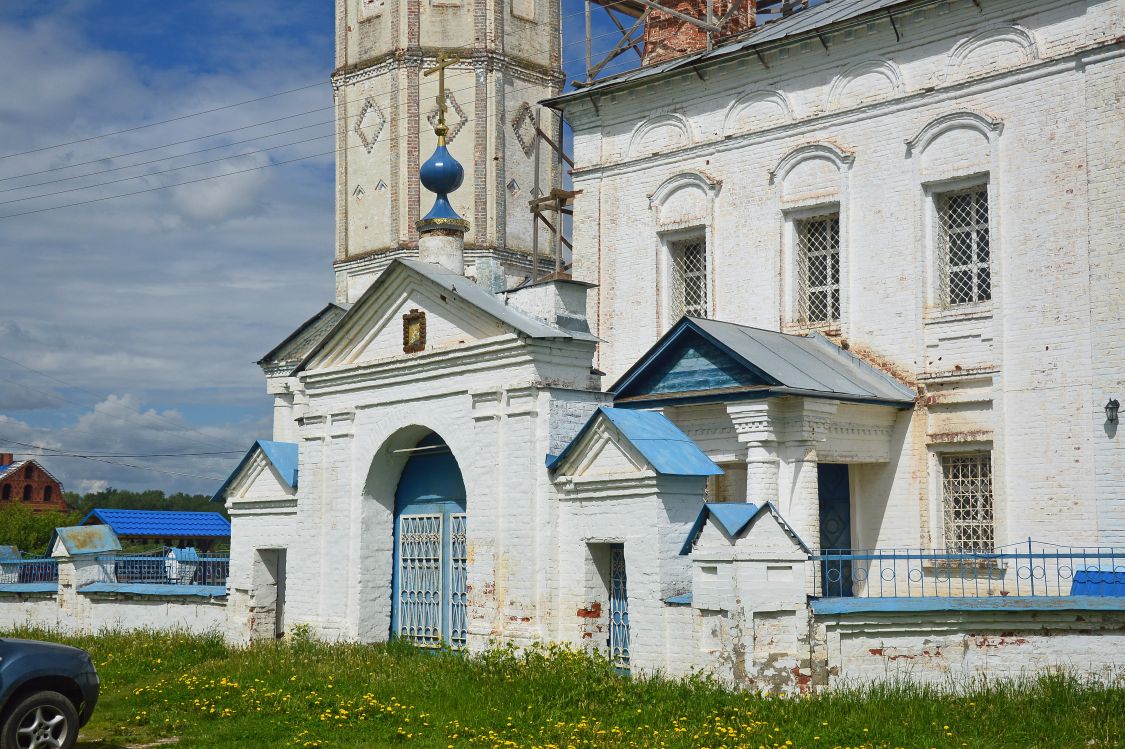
<point>658,134</point>
<point>865,82</point>
<point>816,169</point>
<point>757,110</point>
<point>960,142</point>
<point>991,50</point>
<point>687,199</point>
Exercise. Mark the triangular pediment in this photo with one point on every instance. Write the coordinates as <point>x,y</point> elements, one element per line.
<point>268,471</point>
<point>259,481</point>
<point>374,328</point>
<point>603,452</point>
<point>688,362</point>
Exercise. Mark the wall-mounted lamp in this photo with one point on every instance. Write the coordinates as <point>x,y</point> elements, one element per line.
<point>1111,409</point>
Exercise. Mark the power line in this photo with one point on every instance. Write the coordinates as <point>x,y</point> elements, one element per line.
<point>149,455</point>
<point>225,132</point>
<point>562,18</point>
<point>64,454</point>
<point>176,143</point>
<point>64,383</point>
<point>163,122</point>
<point>163,171</point>
<point>155,161</point>
<point>165,187</point>
<point>228,174</point>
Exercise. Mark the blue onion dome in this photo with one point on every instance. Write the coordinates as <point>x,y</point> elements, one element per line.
<point>442,174</point>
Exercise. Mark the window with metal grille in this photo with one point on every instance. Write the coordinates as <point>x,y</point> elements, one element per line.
<point>818,270</point>
<point>688,292</point>
<point>963,247</point>
<point>967,495</point>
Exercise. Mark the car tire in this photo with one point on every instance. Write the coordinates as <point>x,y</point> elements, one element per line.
<point>41,720</point>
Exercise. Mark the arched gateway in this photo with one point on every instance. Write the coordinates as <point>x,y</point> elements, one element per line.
<point>429,588</point>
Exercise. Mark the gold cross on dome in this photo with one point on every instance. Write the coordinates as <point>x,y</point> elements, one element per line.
<point>444,60</point>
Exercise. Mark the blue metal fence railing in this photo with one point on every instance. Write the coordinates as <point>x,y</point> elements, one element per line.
<point>166,567</point>
<point>1028,568</point>
<point>29,570</point>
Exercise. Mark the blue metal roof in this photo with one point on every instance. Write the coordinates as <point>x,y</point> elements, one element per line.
<point>668,450</point>
<point>733,518</point>
<point>156,589</point>
<point>52,587</point>
<point>849,605</point>
<point>91,539</point>
<point>284,456</point>
<point>1091,582</point>
<point>161,523</point>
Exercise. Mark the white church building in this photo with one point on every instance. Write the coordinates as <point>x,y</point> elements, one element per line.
<point>828,392</point>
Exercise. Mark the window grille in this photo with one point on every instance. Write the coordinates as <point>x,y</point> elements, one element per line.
<point>967,495</point>
<point>818,270</point>
<point>963,247</point>
<point>689,279</point>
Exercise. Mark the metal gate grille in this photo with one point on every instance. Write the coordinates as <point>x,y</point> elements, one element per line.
<point>967,493</point>
<point>420,563</point>
<point>689,279</point>
<point>459,579</point>
<point>818,270</point>
<point>618,609</point>
<point>966,273</point>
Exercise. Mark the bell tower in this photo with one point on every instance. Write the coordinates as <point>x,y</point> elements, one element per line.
<point>508,57</point>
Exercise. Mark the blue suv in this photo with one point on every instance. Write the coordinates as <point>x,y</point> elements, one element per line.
<point>47,692</point>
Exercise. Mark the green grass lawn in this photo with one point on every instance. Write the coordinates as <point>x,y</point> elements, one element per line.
<point>199,691</point>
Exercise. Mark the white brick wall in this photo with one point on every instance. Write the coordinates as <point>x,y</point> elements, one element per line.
<point>1045,81</point>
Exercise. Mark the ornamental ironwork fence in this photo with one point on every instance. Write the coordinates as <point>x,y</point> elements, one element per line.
<point>1028,568</point>
<point>166,567</point>
<point>29,570</point>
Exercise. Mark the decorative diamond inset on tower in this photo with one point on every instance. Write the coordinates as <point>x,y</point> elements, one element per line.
<point>370,123</point>
<point>455,118</point>
<point>523,124</point>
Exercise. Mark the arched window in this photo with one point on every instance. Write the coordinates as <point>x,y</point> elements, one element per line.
<point>6,492</point>
<point>27,472</point>
<point>27,492</point>
<point>48,493</point>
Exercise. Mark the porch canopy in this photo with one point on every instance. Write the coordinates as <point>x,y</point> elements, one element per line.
<point>799,397</point>
<point>767,407</point>
<point>700,361</point>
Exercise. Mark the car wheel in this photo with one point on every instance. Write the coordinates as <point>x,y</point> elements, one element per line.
<point>42,720</point>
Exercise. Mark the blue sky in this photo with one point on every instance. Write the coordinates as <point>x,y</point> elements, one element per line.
<point>131,326</point>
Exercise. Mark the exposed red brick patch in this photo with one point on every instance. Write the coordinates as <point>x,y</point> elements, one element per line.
<point>593,611</point>
<point>667,37</point>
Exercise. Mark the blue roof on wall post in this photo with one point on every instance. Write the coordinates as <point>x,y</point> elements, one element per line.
<point>733,518</point>
<point>668,450</point>
<point>283,456</point>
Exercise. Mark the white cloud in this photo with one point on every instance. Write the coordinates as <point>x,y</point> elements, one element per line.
<point>168,295</point>
<point>126,442</point>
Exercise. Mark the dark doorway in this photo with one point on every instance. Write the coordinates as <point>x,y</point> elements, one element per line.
<point>835,528</point>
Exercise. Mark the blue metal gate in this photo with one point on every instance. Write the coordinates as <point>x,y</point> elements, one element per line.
<point>618,608</point>
<point>430,579</point>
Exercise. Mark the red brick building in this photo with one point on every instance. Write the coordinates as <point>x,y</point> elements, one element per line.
<point>28,483</point>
